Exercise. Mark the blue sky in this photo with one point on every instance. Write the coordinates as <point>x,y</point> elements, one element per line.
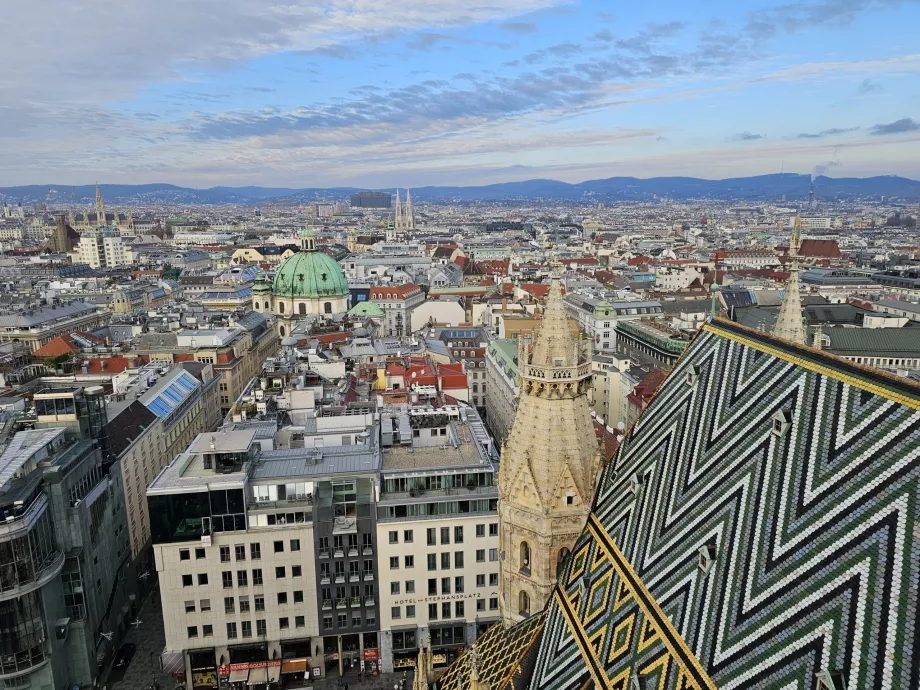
<point>373,93</point>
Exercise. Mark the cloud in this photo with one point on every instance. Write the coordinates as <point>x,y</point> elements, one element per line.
<point>824,168</point>
<point>867,86</point>
<point>519,27</point>
<point>792,17</point>
<point>833,131</point>
<point>603,35</point>
<point>747,136</point>
<point>905,124</point>
<point>644,41</point>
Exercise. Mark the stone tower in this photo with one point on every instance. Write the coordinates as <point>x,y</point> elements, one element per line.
<point>100,208</point>
<point>789,322</point>
<point>549,463</point>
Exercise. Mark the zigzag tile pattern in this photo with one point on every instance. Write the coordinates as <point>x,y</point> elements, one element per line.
<point>813,526</point>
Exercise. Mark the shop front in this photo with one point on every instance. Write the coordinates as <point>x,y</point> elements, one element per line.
<point>447,643</point>
<point>371,662</point>
<point>256,675</point>
<point>296,656</point>
<point>405,649</point>
<point>203,663</point>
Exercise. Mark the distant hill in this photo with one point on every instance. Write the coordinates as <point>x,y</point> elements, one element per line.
<point>759,188</point>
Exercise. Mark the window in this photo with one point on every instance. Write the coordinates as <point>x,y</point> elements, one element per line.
<point>279,546</point>
<point>410,561</point>
<point>282,598</point>
<point>493,579</point>
<point>296,571</point>
<point>445,535</point>
<point>227,577</point>
<point>432,534</point>
<point>202,578</point>
<point>190,606</point>
<point>298,596</point>
<point>247,628</point>
<point>493,555</point>
<point>255,551</point>
<point>445,585</point>
<point>394,562</point>
<point>204,605</point>
<point>241,578</point>
<point>480,555</point>
<point>187,581</point>
<point>408,536</point>
<point>445,610</point>
<point>259,601</point>
<point>433,612</point>
<point>231,631</point>
<point>299,622</point>
<point>193,631</point>
<point>207,630</point>
<point>394,536</point>
<point>410,611</point>
<point>279,571</point>
<point>396,612</point>
<point>394,588</point>
<point>458,584</point>
<point>229,605</point>
<point>493,529</point>
<point>224,554</point>
<point>459,609</point>
<point>458,535</point>
<point>327,622</point>
<point>410,586</point>
<point>458,559</point>
<point>283,623</point>
<point>295,544</point>
<point>240,550</point>
<point>244,604</point>
<point>257,577</point>
<point>260,627</point>
<point>445,560</point>
<point>199,553</point>
<point>432,586</point>
<point>184,555</point>
<point>342,620</point>
<point>432,563</point>
<point>524,603</point>
<point>480,530</point>
<point>480,605</point>
<point>493,603</point>
<point>480,580</point>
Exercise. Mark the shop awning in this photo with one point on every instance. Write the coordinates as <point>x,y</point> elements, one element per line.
<point>173,662</point>
<point>293,666</point>
<point>274,673</point>
<point>238,675</point>
<point>258,676</point>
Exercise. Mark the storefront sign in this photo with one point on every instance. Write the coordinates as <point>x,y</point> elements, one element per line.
<point>439,658</point>
<point>204,679</point>
<point>334,656</point>
<point>371,654</point>
<point>224,670</point>
<point>403,663</point>
<point>445,597</point>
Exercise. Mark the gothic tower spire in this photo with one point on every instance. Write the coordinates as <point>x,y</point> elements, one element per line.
<point>100,207</point>
<point>398,218</point>
<point>789,322</point>
<point>549,463</point>
<point>410,212</point>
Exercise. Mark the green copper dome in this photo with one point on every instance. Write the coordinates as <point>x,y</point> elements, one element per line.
<point>310,274</point>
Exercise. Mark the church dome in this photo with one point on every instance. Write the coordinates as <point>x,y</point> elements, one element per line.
<point>310,274</point>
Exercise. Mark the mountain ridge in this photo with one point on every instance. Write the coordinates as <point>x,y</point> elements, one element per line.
<point>760,187</point>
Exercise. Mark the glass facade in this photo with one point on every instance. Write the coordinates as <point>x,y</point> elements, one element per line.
<point>185,517</point>
<point>22,634</point>
<point>23,559</point>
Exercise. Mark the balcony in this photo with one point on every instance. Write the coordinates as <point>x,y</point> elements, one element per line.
<point>327,604</point>
<point>370,601</point>
<point>339,578</point>
<point>340,603</point>
<point>339,553</point>
<point>368,575</point>
<point>352,551</point>
<point>354,577</point>
<point>324,579</point>
<point>354,602</point>
<point>323,553</point>
<point>368,551</point>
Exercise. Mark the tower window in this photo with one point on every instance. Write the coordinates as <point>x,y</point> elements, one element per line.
<point>524,603</point>
<point>302,308</point>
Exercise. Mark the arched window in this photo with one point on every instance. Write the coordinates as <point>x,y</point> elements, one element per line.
<point>525,558</point>
<point>281,307</point>
<point>560,561</point>
<point>524,603</point>
<point>301,308</point>
<point>327,307</point>
<point>281,330</point>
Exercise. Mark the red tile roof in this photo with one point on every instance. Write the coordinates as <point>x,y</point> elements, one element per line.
<point>64,345</point>
<point>401,291</point>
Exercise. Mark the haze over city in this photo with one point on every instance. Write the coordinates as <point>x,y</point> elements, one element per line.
<point>377,94</point>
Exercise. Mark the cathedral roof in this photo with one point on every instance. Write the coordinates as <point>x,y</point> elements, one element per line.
<point>754,529</point>
<point>310,274</point>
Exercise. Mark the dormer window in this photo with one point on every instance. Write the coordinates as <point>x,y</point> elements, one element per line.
<point>830,680</point>
<point>693,373</point>
<point>635,484</point>
<point>706,557</point>
<point>782,419</point>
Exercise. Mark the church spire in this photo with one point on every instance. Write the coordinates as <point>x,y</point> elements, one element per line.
<point>398,218</point>
<point>100,207</point>
<point>789,322</point>
<point>410,213</point>
<point>549,463</point>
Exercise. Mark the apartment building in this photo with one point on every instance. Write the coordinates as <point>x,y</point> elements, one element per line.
<point>398,302</point>
<point>38,327</point>
<point>264,550</point>
<point>503,387</point>
<point>598,317</point>
<point>437,531</point>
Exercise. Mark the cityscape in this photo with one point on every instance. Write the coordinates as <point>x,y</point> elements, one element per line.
<point>580,349</point>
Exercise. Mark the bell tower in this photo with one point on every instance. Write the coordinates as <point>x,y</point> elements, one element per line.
<point>549,463</point>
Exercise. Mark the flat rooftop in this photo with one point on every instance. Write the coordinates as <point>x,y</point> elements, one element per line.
<point>223,442</point>
<point>465,454</point>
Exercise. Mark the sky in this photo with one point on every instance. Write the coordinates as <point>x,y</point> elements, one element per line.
<point>370,93</point>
